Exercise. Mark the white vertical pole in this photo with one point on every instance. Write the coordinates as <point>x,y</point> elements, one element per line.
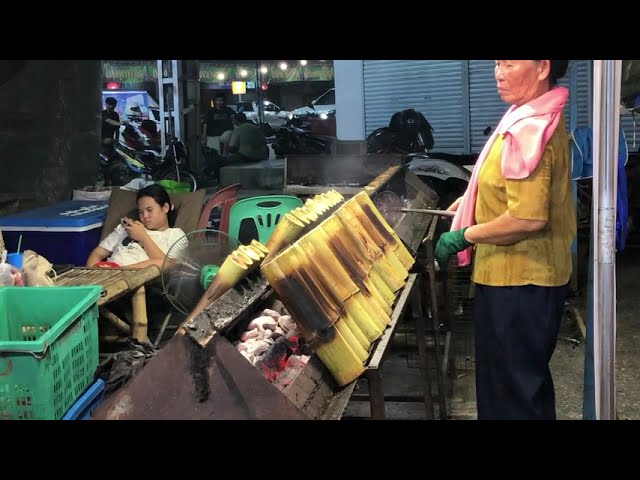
<point>606,125</point>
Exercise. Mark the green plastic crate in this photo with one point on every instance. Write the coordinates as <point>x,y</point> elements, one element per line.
<point>48,349</point>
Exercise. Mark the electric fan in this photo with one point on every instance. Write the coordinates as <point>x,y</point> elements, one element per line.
<point>191,264</point>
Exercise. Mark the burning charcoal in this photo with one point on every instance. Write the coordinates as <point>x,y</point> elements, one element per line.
<point>278,332</point>
<point>286,323</point>
<point>264,322</point>
<point>249,334</point>
<point>271,313</point>
<point>259,347</point>
<point>275,360</point>
<point>278,306</point>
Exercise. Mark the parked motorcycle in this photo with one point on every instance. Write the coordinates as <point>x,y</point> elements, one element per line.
<point>294,140</point>
<point>122,164</point>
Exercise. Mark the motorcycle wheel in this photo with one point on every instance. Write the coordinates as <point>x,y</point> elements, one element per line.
<point>119,174</point>
<point>185,177</point>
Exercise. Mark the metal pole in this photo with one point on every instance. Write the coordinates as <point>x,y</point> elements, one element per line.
<point>606,124</point>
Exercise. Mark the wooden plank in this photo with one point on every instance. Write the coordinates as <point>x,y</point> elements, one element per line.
<point>381,347</point>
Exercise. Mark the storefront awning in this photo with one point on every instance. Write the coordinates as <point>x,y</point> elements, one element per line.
<point>222,74</point>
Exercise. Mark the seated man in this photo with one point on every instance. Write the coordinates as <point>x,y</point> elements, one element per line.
<point>246,143</point>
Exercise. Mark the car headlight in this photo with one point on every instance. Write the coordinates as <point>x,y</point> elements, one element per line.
<point>324,116</point>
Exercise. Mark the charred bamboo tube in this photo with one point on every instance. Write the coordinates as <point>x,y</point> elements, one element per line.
<point>340,359</point>
<point>301,302</point>
<point>351,339</point>
<point>297,260</point>
<point>348,244</point>
<point>286,232</point>
<point>354,263</point>
<point>327,267</point>
<point>341,270</point>
<point>376,218</point>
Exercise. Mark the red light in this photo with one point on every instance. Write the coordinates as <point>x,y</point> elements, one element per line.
<point>265,86</point>
<point>113,85</point>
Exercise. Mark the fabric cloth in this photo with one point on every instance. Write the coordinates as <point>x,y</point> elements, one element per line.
<point>544,257</point>
<point>119,368</point>
<point>582,155</point>
<point>133,252</point>
<point>525,130</point>
<point>515,331</point>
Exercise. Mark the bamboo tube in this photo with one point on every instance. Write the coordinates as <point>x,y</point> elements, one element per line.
<point>340,360</point>
<point>231,272</point>
<point>382,287</point>
<point>255,255</point>
<point>286,232</point>
<point>370,326</point>
<point>326,265</point>
<point>260,246</point>
<point>300,264</point>
<point>294,293</point>
<point>357,332</point>
<point>351,339</point>
<point>376,218</point>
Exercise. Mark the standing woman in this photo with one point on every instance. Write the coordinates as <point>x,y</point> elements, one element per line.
<point>518,215</point>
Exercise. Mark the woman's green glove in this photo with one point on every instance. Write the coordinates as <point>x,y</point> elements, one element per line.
<point>449,244</point>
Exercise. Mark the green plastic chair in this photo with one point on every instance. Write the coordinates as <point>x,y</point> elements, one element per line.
<point>265,211</point>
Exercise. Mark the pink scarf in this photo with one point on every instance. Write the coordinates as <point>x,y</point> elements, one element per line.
<point>526,131</point>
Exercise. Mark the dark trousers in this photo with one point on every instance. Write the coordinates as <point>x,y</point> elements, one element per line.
<point>515,331</point>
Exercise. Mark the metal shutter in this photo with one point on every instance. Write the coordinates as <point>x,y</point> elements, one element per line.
<point>433,87</point>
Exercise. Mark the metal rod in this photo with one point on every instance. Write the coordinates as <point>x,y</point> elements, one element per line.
<point>606,124</point>
<point>444,213</point>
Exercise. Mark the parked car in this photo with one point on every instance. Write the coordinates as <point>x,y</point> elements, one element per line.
<point>322,105</point>
<point>273,114</point>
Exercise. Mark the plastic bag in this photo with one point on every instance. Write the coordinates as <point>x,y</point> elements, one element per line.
<point>10,276</point>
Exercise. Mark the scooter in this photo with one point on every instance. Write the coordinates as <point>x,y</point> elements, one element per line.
<point>122,164</point>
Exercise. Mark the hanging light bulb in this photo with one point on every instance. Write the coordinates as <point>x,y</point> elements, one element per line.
<point>263,69</point>
<point>243,73</point>
<point>303,62</point>
<point>283,66</point>
<point>221,76</point>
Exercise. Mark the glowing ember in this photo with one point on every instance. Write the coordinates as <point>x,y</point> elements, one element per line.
<point>272,344</point>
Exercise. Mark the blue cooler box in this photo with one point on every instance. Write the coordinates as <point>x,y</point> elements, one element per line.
<point>64,233</point>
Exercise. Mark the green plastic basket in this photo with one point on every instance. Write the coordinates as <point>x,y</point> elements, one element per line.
<point>48,349</point>
<point>171,186</point>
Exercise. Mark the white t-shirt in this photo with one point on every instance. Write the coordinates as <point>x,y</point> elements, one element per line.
<point>134,253</point>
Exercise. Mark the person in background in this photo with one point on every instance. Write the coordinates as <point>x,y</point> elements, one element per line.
<point>518,212</point>
<point>110,123</point>
<point>138,243</point>
<point>218,120</point>
<point>247,142</point>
